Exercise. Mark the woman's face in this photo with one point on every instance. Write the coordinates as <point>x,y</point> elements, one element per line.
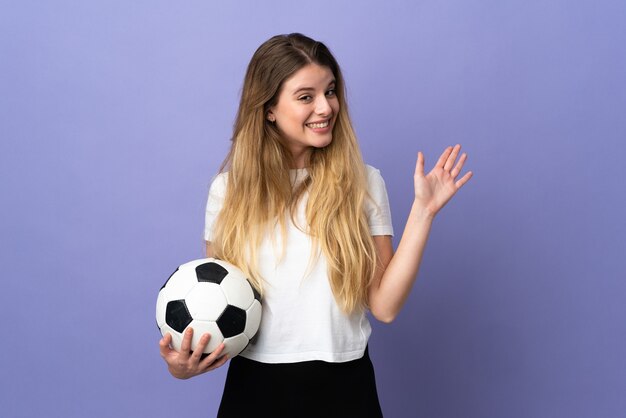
<point>306,111</point>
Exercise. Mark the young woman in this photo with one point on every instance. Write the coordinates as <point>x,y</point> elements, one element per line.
<point>297,209</point>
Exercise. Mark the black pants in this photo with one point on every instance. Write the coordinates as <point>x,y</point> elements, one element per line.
<point>299,390</point>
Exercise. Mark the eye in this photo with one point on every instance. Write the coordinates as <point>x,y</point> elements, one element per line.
<point>331,93</point>
<point>305,98</point>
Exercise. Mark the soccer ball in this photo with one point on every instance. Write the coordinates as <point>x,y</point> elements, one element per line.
<point>209,295</point>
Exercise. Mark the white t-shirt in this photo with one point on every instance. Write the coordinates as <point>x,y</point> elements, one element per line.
<point>301,320</point>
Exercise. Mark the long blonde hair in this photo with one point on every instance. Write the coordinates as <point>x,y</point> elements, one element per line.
<point>260,191</point>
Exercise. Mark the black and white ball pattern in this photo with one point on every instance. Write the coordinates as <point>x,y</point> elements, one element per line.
<point>209,295</point>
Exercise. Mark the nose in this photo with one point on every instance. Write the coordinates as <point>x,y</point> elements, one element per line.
<point>322,107</point>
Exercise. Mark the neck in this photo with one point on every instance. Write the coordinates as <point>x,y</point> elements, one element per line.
<point>300,159</point>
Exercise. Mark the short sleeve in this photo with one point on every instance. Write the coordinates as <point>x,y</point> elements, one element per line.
<point>377,209</point>
<point>217,191</point>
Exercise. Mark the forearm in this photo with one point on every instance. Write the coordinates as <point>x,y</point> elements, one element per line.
<point>398,278</point>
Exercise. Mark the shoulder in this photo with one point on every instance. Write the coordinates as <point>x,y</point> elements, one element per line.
<point>218,183</point>
<point>377,204</point>
<point>374,177</point>
<point>372,171</point>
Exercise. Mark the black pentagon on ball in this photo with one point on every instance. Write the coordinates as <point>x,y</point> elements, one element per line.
<point>177,315</point>
<point>232,321</point>
<point>211,272</point>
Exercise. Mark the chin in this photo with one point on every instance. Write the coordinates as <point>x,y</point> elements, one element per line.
<point>323,143</point>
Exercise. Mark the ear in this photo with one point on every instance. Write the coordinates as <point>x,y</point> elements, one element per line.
<point>270,116</point>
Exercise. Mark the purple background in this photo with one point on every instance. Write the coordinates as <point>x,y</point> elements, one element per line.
<point>115,115</point>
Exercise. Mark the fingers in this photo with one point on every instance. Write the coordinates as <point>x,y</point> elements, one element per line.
<point>184,364</point>
<point>463,179</point>
<point>210,361</point>
<point>164,345</point>
<point>451,157</point>
<point>219,363</point>
<point>457,168</point>
<point>447,161</point>
<point>459,165</point>
<point>443,158</point>
<point>185,346</point>
<point>199,350</point>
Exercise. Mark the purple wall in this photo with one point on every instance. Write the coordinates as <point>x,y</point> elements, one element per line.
<point>115,115</point>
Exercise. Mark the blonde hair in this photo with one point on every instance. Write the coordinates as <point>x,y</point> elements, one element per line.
<point>260,191</point>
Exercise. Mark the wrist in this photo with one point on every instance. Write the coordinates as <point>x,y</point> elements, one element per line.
<point>422,213</point>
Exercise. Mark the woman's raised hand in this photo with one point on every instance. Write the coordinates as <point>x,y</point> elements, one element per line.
<point>434,190</point>
<point>186,364</point>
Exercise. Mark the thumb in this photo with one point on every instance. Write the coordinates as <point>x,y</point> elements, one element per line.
<point>164,345</point>
<point>419,165</point>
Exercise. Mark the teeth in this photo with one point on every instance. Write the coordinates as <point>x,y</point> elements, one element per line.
<point>317,125</point>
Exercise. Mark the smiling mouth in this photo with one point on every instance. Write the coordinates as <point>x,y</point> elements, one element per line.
<point>318,125</point>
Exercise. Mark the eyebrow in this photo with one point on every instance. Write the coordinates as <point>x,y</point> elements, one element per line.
<point>301,89</point>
